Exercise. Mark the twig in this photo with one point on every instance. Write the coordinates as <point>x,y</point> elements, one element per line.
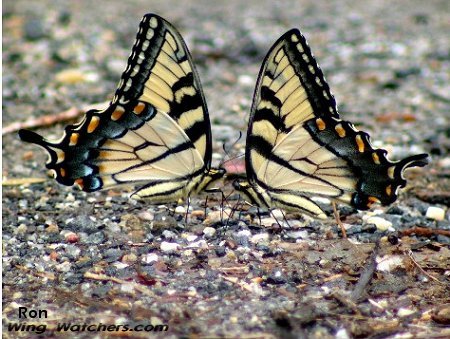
<point>346,302</point>
<point>242,284</point>
<point>367,274</point>
<point>426,232</point>
<point>50,119</point>
<point>411,256</point>
<point>104,277</point>
<point>338,220</point>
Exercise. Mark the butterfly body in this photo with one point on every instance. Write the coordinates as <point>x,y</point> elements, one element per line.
<point>299,148</point>
<point>154,135</point>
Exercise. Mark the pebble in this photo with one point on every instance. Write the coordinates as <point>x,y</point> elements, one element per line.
<point>200,244</point>
<point>146,216</point>
<point>342,334</point>
<point>191,237</point>
<point>298,234</point>
<point>404,312</point>
<point>149,258</point>
<point>435,213</point>
<point>198,214</point>
<point>169,234</point>
<point>71,237</point>
<point>209,232</point>
<point>260,237</point>
<point>21,229</point>
<point>129,258</point>
<point>75,76</point>
<point>267,222</point>
<point>389,262</point>
<point>216,216</point>
<point>72,251</point>
<point>52,228</point>
<point>180,210</point>
<point>380,223</point>
<point>169,246</point>
<point>64,267</point>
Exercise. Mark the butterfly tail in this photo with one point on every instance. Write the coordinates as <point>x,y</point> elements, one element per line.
<point>418,160</point>
<point>60,162</point>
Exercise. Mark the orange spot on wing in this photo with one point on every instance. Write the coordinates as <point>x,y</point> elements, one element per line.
<point>320,124</point>
<point>389,190</point>
<point>372,200</point>
<point>62,171</point>
<point>74,139</point>
<point>139,108</point>
<point>117,114</point>
<point>360,143</point>
<point>80,183</point>
<point>93,124</point>
<point>376,158</point>
<point>340,130</point>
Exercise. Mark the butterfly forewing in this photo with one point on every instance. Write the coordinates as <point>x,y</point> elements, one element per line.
<point>297,146</point>
<point>156,132</point>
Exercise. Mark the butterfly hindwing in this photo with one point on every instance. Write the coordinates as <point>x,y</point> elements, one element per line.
<point>298,147</point>
<point>156,132</point>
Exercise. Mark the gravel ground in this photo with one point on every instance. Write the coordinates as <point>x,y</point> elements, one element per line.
<point>103,258</point>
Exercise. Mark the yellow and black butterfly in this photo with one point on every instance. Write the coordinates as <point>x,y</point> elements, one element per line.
<point>156,132</point>
<point>298,147</point>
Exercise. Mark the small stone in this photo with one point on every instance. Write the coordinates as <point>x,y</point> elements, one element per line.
<point>53,255</point>
<point>169,246</point>
<point>435,213</point>
<point>342,334</point>
<point>52,228</point>
<point>191,237</point>
<point>268,222</point>
<point>260,237</point>
<point>149,258</point>
<point>389,262</point>
<point>441,314</point>
<point>21,229</point>
<point>74,76</point>
<point>169,234</point>
<point>180,210</point>
<point>220,251</point>
<point>209,232</point>
<point>64,267</point>
<point>244,233</point>
<point>146,216</point>
<point>129,258</point>
<point>130,222</point>
<point>198,214</point>
<point>404,312</point>
<point>380,223</point>
<point>216,216</point>
<point>71,237</point>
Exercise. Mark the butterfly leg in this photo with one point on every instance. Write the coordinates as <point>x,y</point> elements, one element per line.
<point>338,220</point>
<point>187,210</point>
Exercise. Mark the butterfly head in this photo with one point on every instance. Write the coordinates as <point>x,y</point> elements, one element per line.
<point>210,176</point>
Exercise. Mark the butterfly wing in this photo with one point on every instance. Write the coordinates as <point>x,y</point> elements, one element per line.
<point>156,132</point>
<point>298,147</point>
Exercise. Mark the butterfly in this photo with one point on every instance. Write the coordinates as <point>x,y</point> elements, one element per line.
<point>298,147</point>
<point>155,134</point>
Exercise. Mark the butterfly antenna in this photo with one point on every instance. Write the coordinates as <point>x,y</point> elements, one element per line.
<point>227,153</point>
